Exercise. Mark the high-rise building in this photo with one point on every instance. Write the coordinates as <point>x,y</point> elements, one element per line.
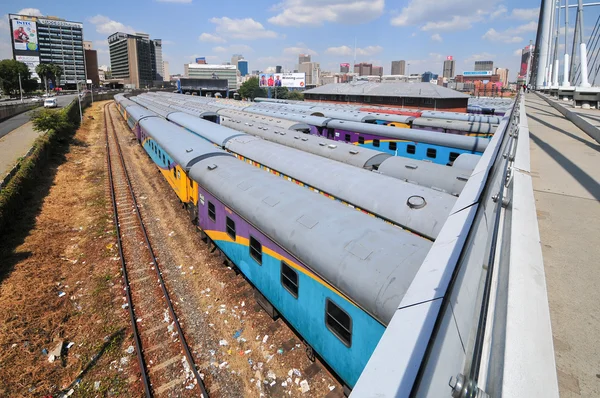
<point>167,76</point>
<point>399,67</point>
<point>302,58</point>
<point>201,60</point>
<point>91,63</point>
<point>235,58</point>
<point>484,66</point>
<point>377,71</point>
<point>525,55</point>
<point>312,71</point>
<point>278,69</point>
<point>363,69</point>
<point>449,67</point>
<point>242,66</point>
<point>48,40</point>
<point>158,60</point>
<point>503,74</point>
<point>428,76</point>
<point>344,68</point>
<point>133,59</point>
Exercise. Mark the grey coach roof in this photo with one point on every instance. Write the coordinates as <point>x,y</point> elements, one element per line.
<point>212,132</point>
<point>423,90</point>
<point>312,120</point>
<point>138,112</point>
<point>368,260</point>
<point>181,145</point>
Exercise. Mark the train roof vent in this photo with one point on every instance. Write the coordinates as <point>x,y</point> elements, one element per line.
<point>411,166</point>
<point>189,150</point>
<point>271,201</point>
<point>357,249</point>
<point>297,137</point>
<point>322,143</point>
<point>416,202</point>
<point>307,221</point>
<point>244,185</point>
<point>462,178</point>
<point>282,133</point>
<point>331,146</point>
<point>304,139</point>
<point>211,166</point>
<point>353,151</point>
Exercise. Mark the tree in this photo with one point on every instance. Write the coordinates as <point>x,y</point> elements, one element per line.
<point>57,72</point>
<point>30,85</point>
<point>9,75</point>
<point>44,71</point>
<point>48,119</point>
<point>280,92</point>
<point>250,89</point>
<point>296,96</point>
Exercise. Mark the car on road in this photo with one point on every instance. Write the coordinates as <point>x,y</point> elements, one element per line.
<point>36,99</point>
<point>50,103</point>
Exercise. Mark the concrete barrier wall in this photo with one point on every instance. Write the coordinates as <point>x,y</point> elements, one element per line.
<point>14,109</point>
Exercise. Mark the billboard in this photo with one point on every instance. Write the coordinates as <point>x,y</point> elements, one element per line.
<point>291,80</point>
<point>449,58</point>
<point>25,35</point>
<point>31,62</point>
<point>346,65</point>
<point>478,73</point>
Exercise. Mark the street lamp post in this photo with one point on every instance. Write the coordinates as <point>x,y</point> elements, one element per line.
<point>20,87</point>
<point>79,99</point>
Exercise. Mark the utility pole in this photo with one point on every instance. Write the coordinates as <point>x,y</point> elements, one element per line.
<point>20,87</point>
<point>79,98</point>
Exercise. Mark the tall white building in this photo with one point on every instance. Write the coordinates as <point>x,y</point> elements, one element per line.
<point>158,60</point>
<point>208,71</point>
<point>312,71</point>
<point>167,76</point>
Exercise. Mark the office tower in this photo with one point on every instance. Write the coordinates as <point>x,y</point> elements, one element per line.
<point>242,66</point>
<point>449,67</point>
<point>399,67</point>
<point>484,66</point>
<point>363,69</point>
<point>167,76</point>
<point>344,68</point>
<point>133,58</point>
<point>302,58</point>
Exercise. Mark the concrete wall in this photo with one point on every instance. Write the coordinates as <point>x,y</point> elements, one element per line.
<point>14,109</point>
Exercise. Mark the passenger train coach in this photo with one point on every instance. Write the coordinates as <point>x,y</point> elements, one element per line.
<point>415,144</point>
<point>336,275</point>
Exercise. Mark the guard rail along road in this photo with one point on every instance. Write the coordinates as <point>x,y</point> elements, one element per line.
<point>475,321</point>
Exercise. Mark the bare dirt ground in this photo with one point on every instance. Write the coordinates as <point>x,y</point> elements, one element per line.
<point>238,348</point>
<point>59,282</point>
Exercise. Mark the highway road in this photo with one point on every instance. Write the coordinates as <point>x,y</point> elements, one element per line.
<point>17,121</point>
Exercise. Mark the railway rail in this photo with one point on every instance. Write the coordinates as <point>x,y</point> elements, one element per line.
<point>166,363</point>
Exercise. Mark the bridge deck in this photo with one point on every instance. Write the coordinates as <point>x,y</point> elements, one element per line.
<point>565,166</point>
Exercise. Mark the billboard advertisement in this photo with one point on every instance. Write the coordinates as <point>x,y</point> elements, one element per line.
<point>31,62</point>
<point>346,65</point>
<point>25,35</point>
<point>291,80</point>
<point>478,73</point>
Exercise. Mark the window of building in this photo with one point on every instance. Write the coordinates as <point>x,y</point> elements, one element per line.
<point>393,146</point>
<point>361,139</point>
<point>428,101</point>
<point>347,138</point>
<point>211,211</point>
<point>230,226</point>
<point>411,149</point>
<point>376,143</point>
<point>289,279</point>
<point>453,156</point>
<point>256,250</point>
<point>431,153</point>
<point>409,100</point>
<point>338,322</point>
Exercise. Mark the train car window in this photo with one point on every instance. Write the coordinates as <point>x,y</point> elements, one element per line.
<point>347,138</point>
<point>174,172</point>
<point>289,279</point>
<point>393,146</point>
<point>256,250</point>
<point>191,183</point>
<point>361,140</point>
<point>411,149</point>
<point>453,156</point>
<point>338,322</point>
<point>431,153</point>
<point>376,143</point>
<point>211,211</point>
<point>230,226</point>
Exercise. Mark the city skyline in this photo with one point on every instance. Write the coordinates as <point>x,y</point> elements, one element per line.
<point>271,37</point>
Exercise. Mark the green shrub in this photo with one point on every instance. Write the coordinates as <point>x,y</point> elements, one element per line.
<point>48,119</point>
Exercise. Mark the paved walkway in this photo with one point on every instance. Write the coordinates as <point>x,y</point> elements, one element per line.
<point>565,164</point>
<point>14,145</point>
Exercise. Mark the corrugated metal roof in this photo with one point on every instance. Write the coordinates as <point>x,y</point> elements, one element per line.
<point>423,90</point>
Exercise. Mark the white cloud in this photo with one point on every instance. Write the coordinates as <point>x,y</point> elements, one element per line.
<point>300,49</point>
<point>246,28</point>
<point>498,12</point>
<point>518,52</point>
<point>528,27</point>
<point>436,37</point>
<point>175,1</point>
<point>525,13</point>
<point>504,37</point>
<point>167,43</point>
<point>480,57</point>
<point>209,37</point>
<point>443,15</point>
<point>345,50</point>
<point>316,12</point>
<point>107,26</point>
<point>34,12</point>
<point>433,63</point>
<point>234,48</point>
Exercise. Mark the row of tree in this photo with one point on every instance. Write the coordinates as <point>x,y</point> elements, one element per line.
<point>10,70</point>
<point>250,89</point>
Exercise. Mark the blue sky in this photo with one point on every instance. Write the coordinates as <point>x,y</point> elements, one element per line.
<point>270,33</point>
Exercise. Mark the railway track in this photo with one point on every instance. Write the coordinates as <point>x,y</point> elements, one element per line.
<point>166,363</point>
